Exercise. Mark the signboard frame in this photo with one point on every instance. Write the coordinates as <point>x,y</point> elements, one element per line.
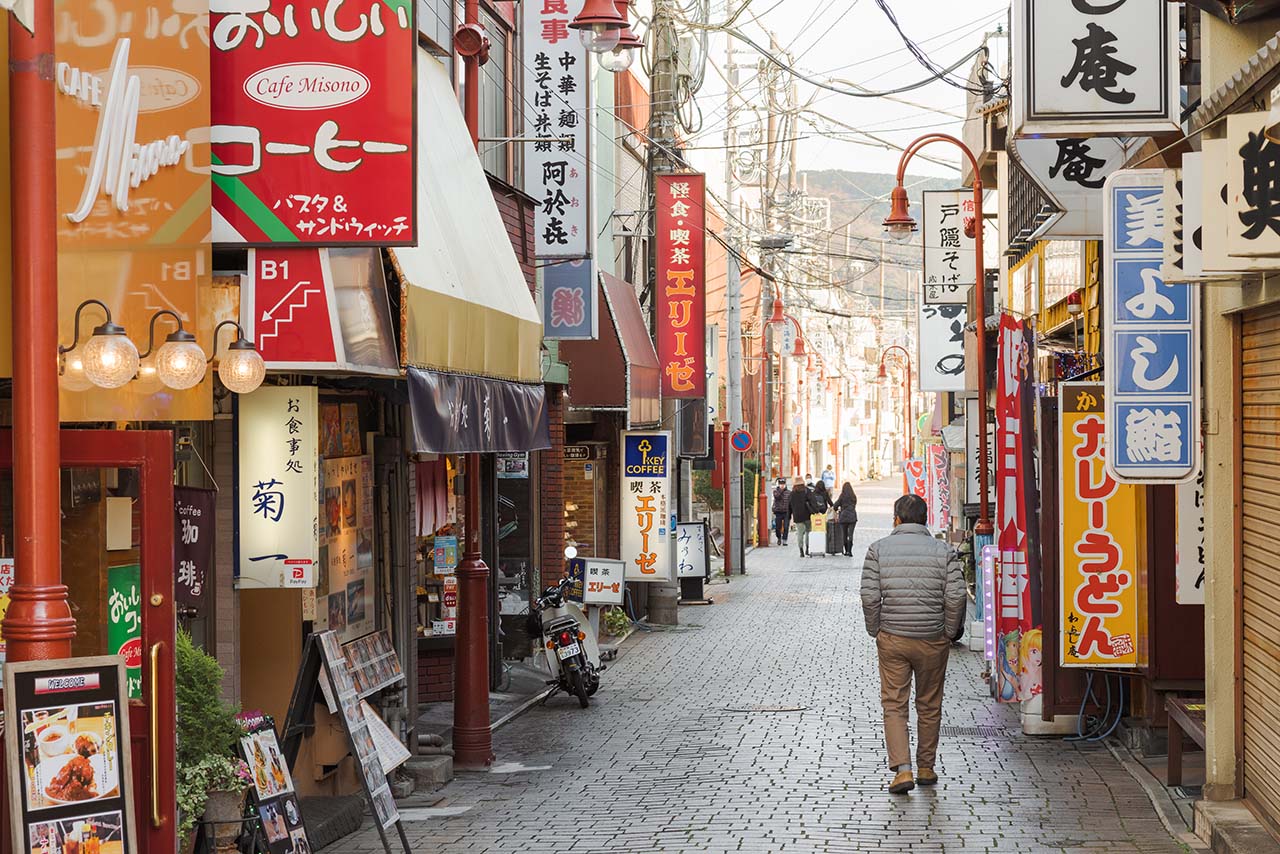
<point>637,547</point>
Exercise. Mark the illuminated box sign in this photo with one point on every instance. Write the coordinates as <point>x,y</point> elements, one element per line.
<point>647,502</point>
<point>1099,559</point>
<point>682,285</point>
<point>314,122</point>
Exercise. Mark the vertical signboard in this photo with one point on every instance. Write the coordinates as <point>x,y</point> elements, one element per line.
<point>69,769</point>
<point>1095,68</point>
<point>682,284</point>
<point>556,89</point>
<point>346,599</point>
<point>939,487</point>
<point>569,300</point>
<point>194,528</point>
<point>648,506</point>
<point>692,559</point>
<point>950,257</point>
<point>1099,555</point>
<point>1152,341</point>
<point>314,122</point>
<point>124,623</point>
<point>1071,171</point>
<point>273,793</point>
<point>1189,577</point>
<point>941,347</point>
<point>971,452</point>
<point>278,484</point>
<point>915,477</point>
<point>1013,580</point>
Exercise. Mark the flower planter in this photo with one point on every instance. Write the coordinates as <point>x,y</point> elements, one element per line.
<point>224,810</point>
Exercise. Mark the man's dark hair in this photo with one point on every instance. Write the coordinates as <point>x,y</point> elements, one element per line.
<point>911,510</point>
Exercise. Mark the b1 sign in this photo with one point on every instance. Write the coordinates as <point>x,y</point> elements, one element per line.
<point>314,122</point>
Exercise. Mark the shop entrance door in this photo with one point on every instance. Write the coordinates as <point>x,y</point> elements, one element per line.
<point>135,468</point>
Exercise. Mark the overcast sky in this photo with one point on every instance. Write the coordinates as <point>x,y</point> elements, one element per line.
<point>853,39</point>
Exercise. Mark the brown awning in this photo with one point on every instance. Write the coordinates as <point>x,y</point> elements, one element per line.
<point>619,370</point>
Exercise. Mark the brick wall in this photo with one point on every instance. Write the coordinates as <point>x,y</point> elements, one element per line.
<point>224,629</point>
<point>517,209</point>
<point>435,675</point>
<point>581,493</point>
<point>551,495</point>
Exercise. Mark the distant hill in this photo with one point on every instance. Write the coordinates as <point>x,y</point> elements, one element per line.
<point>860,200</point>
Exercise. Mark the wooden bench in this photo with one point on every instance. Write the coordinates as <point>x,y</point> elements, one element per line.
<point>1186,718</point>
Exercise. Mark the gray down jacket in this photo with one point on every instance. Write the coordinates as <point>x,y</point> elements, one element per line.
<point>912,585</point>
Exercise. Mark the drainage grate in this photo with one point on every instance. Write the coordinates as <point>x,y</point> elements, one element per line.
<point>974,731</point>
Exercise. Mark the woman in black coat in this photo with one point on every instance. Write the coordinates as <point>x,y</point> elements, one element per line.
<point>847,516</point>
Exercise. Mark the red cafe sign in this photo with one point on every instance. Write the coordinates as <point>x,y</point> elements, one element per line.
<point>682,285</point>
<point>314,122</point>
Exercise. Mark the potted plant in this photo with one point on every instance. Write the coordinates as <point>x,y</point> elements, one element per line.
<point>211,779</point>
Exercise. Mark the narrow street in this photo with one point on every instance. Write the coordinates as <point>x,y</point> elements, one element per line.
<point>755,726</point>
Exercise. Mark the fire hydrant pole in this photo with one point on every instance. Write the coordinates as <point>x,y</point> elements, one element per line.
<point>472,735</point>
<point>38,624</point>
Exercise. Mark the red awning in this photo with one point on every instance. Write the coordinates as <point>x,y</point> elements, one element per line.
<point>619,370</point>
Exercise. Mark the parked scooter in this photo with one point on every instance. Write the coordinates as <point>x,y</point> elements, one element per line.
<point>567,642</point>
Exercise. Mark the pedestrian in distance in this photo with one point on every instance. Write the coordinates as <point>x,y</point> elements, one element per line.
<point>781,509</point>
<point>847,516</point>
<point>829,478</point>
<point>800,507</point>
<point>913,599</point>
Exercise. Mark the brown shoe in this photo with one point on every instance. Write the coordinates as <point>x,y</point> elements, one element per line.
<point>926,777</point>
<point>902,783</point>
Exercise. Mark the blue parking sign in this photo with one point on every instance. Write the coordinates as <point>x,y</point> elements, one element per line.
<point>1151,339</point>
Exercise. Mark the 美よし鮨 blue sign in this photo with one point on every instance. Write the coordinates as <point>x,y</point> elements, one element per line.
<point>569,304</point>
<point>1152,341</point>
<point>648,537</point>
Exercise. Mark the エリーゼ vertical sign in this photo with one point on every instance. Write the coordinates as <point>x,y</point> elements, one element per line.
<point>314,122</point>
<point>278,488</point>
<point>556,89</point>
<point>682,284</point>
<point>1095,68</point>
<point>1152,341</point>
<point>1098,552</point>
<point>647,502</point>
<point>950,263</point>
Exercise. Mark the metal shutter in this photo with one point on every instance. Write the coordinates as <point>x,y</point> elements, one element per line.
<point>1260,541</point>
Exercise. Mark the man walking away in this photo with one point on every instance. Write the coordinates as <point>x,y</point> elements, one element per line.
<point>847,516</point>
<point>781,497</point>
<point>913,598</point>
<point>800,508</point>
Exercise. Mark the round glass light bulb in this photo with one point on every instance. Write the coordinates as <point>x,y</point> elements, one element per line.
<point>617,60</point>
<point>242,371</point>
<point>180,364</point>
<point>73,377</point>
<point>570,552</point>
<point>901,232</point>
<point>148,380</point>
<point>110,361</point>
<point>598,38</point>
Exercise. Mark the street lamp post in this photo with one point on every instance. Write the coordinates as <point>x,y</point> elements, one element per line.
<point>900,226</point>
<point>907,444</point>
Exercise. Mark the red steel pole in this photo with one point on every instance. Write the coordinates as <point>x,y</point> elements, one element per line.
<point>472,734</point>
<point>728,509</point>
<point>38,624</point>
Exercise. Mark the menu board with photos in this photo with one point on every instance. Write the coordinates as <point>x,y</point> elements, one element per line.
<point>345,596</point>
<point>72,791</point>
<point>373,663</point>
<point>277,801</point>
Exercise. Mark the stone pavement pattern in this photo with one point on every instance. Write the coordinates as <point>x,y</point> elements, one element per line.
<point>672,756</point>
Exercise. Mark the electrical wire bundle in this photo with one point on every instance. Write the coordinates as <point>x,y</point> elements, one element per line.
<point>1099,728</point>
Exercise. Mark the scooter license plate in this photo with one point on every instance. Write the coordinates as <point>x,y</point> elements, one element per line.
<point>569,651</point>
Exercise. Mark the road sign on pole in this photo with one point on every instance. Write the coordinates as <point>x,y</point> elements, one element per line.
<point>741,441</point>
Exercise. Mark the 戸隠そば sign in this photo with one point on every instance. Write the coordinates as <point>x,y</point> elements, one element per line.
<point>950,264</point>
<point>278,488</point>
<point>314,122</point>
<point>647,502</point>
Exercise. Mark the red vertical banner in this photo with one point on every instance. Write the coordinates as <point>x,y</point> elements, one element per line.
<point>682,284</point>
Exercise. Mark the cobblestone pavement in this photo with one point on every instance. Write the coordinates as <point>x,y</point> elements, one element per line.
<point>679,752</point>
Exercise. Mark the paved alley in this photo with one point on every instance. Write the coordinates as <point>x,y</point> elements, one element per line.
<point>755,726</point>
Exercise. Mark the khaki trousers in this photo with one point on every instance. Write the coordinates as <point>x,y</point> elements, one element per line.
<point>900,659</point>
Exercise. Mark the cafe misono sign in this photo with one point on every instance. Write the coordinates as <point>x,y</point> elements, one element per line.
<point>132,118</point>
<point>314,122</point>
<point>1095,68</point>
<point>648,506</point>
<point>279,487</point>
<point>682,284</point>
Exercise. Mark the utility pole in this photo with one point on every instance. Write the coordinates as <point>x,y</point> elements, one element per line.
<point>733,356</point>
<point>664,597</point>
